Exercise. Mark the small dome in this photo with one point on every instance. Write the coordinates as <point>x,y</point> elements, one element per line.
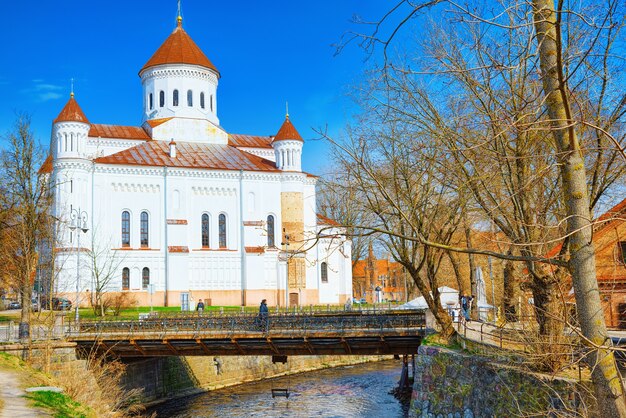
<point>287,132</point>
<point>71,112</point>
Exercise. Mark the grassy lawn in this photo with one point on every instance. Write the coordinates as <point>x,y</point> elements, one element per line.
<point>45,317</point>
<point>60,404</point>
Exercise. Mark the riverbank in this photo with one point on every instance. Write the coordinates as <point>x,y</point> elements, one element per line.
<point>27,392</point>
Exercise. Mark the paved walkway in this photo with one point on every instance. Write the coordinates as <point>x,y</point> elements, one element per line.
<point>15,405</point>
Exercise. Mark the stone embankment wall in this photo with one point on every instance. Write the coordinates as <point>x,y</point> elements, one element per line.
<point>169,377</point>
<point>452,384</point>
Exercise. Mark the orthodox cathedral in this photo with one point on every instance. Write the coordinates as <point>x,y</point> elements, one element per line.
<point>178,209</point>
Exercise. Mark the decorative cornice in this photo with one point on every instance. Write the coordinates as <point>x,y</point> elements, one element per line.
<point>136,187</point>
<point>72,163</point>
<point>214,191</point>
<point>179,70</point>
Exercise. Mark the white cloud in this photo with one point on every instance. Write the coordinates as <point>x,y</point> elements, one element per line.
<point>42,91</point>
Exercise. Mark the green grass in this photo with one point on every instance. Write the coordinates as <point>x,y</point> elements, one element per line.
<point>60,404</point>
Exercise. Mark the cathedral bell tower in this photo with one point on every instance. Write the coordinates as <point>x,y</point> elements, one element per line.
<point>287,146</point>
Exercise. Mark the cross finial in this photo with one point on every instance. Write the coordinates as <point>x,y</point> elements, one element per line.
<point>287,110</point>
<point>179,17</point>
<point>72,87</point>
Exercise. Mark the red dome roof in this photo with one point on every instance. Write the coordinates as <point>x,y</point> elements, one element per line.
<point>287,132</point>
<point>71,112</point>
<point>179,48</point>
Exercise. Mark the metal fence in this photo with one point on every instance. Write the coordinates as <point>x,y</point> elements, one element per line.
<point>293,323</point>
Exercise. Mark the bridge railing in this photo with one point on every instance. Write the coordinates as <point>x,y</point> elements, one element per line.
<point>293,323</point>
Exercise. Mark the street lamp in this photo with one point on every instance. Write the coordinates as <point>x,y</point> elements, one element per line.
<point>78,224</point>
<point>286,244</point>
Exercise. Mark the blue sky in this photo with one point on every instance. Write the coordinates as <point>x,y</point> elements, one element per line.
<point>267,53</point>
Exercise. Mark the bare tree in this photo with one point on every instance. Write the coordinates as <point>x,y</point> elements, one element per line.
<point>27,200</point>
<point>104,265</point>
<point>524,101</point>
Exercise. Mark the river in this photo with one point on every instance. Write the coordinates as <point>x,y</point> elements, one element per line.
<point>351,391</point>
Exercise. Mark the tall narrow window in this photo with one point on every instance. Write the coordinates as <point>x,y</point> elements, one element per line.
<point>144,229</point>
<point>622,245</point>
<point>270,231</point>
<point>145,278</point>
<point>175,98</point>
<point>205,231</point>
<point>324,271</point>
<point>150,102</point>
<point>211,102</point>
<point>189,98</point>
<point>202,100</point>
<point>161,98</point>
<point>125,229</point>
<point>125,278</point>
<point>222,229</point>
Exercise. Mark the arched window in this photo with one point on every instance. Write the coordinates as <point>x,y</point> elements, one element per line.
<point>161,98</point>
<point>144,229</point>
<point>324,271</point>
<point>205,231</point>
<point>175,98</point>
<point>145,278</point>
<point>150,102</point>
<point>125,278</point>
<point>202,100</point>
<point>189,98</point>
<point>270,231</point>
<point>125,229</point>
<point>222,230</point>
<point>211,102</point>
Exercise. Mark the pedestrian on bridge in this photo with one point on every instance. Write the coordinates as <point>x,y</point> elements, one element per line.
<point>264,319</point>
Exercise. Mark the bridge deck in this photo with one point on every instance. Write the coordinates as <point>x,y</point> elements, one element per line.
<point>398,332</point>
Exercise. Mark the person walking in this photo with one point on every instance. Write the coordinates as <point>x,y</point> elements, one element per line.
<point>465,307</point>
<point>200,306</point>
<point>264,315</point>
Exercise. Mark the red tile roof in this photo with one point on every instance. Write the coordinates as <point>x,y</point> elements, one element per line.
<point>323,220</point>
<point>189,155</point>
<point>46,167</point>
<point>249,141</point>
<point>179,48</point>
<point>118,131</point>
<point>71,112</point>
<point>156,122</point>
<point>287,132</point>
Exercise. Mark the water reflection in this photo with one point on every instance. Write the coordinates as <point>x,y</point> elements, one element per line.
<point>351,391</point>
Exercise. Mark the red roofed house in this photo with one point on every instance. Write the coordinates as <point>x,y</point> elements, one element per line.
<point>388,276</point>
<point>184,209</point>
<point>609,239</point>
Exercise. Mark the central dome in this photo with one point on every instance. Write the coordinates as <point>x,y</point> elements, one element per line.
<point>179,48</point>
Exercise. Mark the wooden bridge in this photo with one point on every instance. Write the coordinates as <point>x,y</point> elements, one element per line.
<point>280,334</point>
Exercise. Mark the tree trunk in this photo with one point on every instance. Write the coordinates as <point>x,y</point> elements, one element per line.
<point>472,266</point>
<point>606,377</point>
<point>511,285</point>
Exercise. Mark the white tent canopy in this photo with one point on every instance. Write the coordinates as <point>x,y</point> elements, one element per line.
<point>449,299</point>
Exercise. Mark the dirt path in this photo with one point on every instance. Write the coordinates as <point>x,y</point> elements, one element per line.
<point>15,405</point>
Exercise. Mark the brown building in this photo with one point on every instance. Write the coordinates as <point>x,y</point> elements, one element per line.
<point>371,274</point>
<point>609,239</point>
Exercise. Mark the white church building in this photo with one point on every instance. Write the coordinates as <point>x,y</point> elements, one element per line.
<point>181,210</point>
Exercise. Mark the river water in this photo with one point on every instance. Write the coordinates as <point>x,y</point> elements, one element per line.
<point>350,391</point>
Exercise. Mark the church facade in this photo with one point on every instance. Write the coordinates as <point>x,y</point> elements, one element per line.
<point>178,209</point>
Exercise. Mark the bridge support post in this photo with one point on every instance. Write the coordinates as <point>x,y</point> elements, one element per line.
<point>404,376</point>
